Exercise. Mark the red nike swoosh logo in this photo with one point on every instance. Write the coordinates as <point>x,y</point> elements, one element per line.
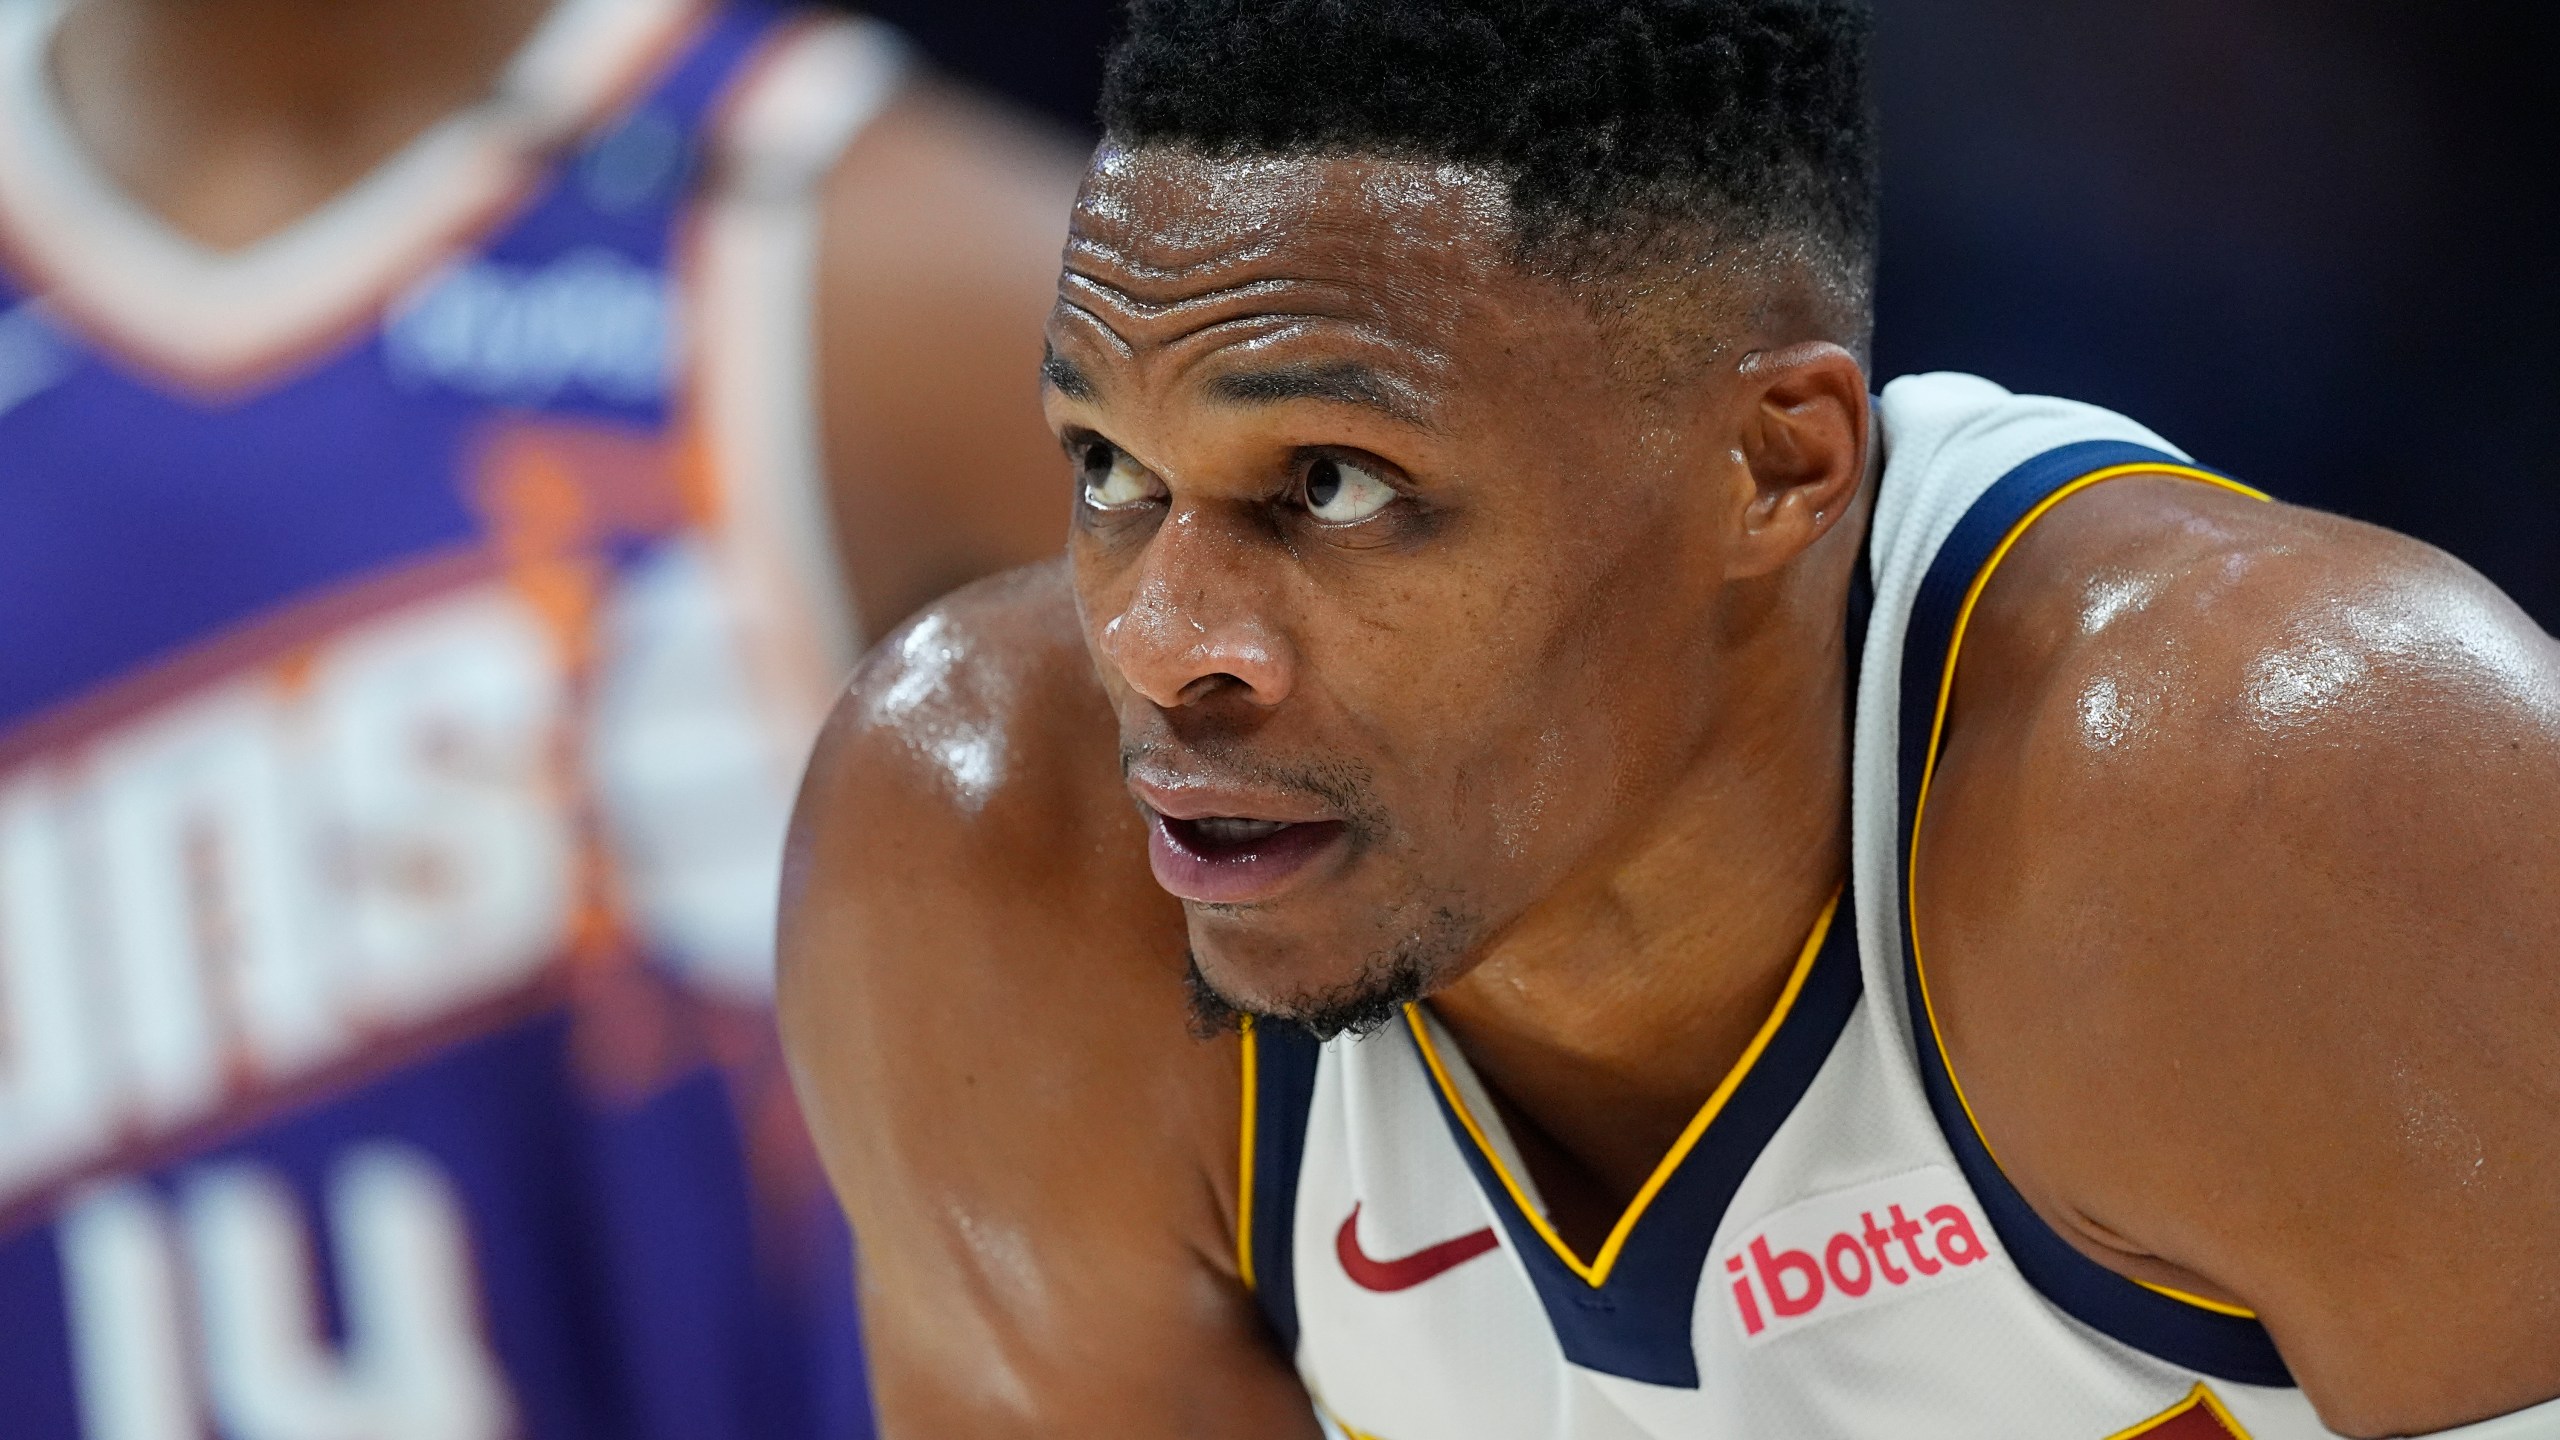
<point>1385,1276</point>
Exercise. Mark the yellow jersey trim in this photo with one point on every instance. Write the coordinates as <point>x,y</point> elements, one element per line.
<point>1929,772</point>
<point>2200,1397</point>
<point>1596,1272</point>
<point>1244,1150</point>
<point>1352,1432</point>
<point>2216,1306</point>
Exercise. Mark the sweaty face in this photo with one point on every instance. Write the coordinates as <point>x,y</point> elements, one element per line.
<point>1405,600</point>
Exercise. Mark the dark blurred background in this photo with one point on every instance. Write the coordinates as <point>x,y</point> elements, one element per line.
<point>2314,242</point>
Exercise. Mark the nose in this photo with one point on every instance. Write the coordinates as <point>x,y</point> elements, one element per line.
<point>1196,624</point>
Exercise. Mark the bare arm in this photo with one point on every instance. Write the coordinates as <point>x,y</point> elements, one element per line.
<point>2249,915</point>
<point>937,267</point>
<point>983,1005</point>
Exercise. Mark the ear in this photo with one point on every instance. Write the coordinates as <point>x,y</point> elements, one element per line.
<point>1803,442</point>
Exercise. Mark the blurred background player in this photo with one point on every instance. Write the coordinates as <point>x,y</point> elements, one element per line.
<point>447,454</point>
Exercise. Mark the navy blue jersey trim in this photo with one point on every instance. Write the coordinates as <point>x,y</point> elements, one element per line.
<point>1284,1094</point>
<point>2226,1347</point>
<point>1638,1324</point>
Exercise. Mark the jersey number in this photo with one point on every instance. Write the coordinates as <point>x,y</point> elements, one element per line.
<point>414,1364</point>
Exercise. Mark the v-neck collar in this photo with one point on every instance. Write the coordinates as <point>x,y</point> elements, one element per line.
<point>217,317</point>
<point>1627,1309</point>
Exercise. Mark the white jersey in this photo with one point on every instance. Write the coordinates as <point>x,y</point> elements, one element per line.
<point>1829,1250</point>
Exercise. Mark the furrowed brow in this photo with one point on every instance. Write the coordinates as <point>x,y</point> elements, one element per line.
<point>1063,375</point>
<point>1344,383</point>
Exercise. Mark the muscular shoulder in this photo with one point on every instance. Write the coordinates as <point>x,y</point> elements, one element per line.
<point>2156,649</point>
<point>2238,889</point>
<point>982,997</point>
<point>962,834</point>
<point>975,734</point>
<point>2168,683</point>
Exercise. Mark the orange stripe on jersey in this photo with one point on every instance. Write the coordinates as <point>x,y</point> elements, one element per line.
<point>2198,1417</point>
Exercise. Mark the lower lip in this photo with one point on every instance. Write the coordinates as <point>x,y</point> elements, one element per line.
<point>1235,874</point>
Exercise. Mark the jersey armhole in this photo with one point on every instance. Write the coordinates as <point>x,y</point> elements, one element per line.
<point>2210,1338</point>
<point>1279,1080</point>
<point>749,276</point>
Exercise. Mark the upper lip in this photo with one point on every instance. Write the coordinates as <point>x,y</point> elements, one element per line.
<point>1179,797</point>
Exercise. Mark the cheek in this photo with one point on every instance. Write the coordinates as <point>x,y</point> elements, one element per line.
<point>1554,717</point>
<point>1537,796</point>
<point>1491,741</point>
<point>1543,785</point>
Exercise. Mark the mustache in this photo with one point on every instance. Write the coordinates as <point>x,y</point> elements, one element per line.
<point>1345,786</point>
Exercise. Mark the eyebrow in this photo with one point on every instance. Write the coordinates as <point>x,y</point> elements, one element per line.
<point>1344,382</point>
<point>1064,376</point>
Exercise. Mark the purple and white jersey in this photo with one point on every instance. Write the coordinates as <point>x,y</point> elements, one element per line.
<point>410,629</point>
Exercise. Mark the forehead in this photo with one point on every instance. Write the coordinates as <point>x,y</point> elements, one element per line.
<point>1175,254</point>
<point>1181,209</point>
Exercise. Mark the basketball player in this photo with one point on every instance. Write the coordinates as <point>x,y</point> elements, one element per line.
<point>1757,913</point>
<point>447,452</point>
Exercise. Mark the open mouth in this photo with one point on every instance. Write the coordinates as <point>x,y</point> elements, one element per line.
<point>1233,859</point>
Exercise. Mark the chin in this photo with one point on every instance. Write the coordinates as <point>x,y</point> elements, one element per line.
<point>1350,979</point>
<point>1264,968</point>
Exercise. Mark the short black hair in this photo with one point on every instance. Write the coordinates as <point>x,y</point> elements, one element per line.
<point>1626,130</point>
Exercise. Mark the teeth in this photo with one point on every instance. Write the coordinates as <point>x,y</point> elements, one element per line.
<point>1227,830</point>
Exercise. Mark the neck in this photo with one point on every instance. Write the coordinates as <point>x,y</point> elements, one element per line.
<point>230,119</point>
<point>1608,1014</point>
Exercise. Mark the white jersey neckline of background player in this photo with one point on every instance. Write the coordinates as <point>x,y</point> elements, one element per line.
<point>1962,1345</point>
<point>220,320</point>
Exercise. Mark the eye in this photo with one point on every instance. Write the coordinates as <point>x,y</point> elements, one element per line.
<point>1341,493</point>
<point>1113,481</point>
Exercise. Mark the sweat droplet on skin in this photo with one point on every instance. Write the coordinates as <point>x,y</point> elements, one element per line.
<point>2298,683</point>
<point>2431,1121</point>
<point>947,709</point>
<point>2110,598</point>
<point>1515,823</point>
<point>2456,639</point>
<point>2105,719</point>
